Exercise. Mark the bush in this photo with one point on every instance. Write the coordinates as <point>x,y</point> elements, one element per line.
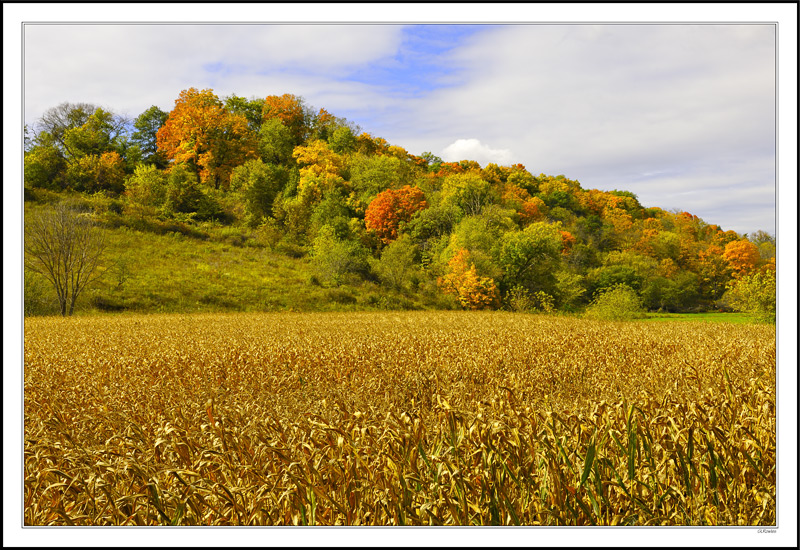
<point>617,303</point>
<point>754,294</point>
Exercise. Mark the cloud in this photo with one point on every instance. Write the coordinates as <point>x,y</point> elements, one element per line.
<point>132,66</point>
<point>472,149</point>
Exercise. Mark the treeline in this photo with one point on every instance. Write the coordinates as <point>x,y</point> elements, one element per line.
<point>309,182</point>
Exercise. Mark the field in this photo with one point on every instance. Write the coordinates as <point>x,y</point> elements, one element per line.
<point>413,418</point>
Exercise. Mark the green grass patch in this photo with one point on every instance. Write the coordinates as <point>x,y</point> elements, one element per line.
<point>711,317</point>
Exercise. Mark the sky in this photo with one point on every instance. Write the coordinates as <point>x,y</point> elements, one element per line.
<point>683,115</point>
<point>680,113</point>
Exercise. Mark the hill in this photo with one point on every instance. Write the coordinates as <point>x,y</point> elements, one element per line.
<point>267,204</point>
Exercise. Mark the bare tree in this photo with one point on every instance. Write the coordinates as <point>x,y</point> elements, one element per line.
<point>64,246</point>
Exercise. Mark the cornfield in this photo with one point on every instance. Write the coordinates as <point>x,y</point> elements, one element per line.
<point>446,418</point>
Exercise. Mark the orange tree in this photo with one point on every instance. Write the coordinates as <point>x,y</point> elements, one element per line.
<point>201,133</point>
<point>391,207</point>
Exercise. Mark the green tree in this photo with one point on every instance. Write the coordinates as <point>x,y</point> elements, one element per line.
<point>529,258</point>
<point>397,262</point>
<point>335,258</point>
<point>101,133</point>
<point>45,166</point>
<point>468,191</point>
<point>251,109</point>
<point>147,125</point>
<point>185,198</point>
<point>369,175</point>
<point>275,142</point>
<point>57,120</point>
<point>258,183</point>
<point>146,187</point>
<point>342,140</point>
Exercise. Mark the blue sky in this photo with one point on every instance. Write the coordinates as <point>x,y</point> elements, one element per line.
<point>681,115</point>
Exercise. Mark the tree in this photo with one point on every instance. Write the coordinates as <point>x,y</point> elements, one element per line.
<point>146,187</point>
<point>618,303</point>
<point>755,294</point>
<point>64,247</point>
<point>392,207</point>
<point>468,191</point>
<point>275,142</point>
<point>342,140</point>
<point>45,167</point>
<point>101,133</point>
<point>462,280</point>
<point>290,111</point>
<point>369,175</point>
<point>259,184</point>
<point>529,257</point>
<point>334,257</point>
<point>183,195</point>
<point>251,109</point>
<point>202,134</point>
<point>57,120</point>
<point>765,243</point>
<point>396,263</point>
<point>742,256</point>
<point>147,125</point>
<point>92,173</point>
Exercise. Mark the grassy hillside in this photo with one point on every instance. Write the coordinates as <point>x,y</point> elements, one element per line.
<point>210,267</point>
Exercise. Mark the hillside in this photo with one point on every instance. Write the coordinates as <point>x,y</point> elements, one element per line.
<point>256,204</point>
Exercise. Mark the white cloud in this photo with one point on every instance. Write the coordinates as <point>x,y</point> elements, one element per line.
<point>130,67</point>
<point>472,149</point>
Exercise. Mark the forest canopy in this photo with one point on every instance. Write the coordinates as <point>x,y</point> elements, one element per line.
<point>361,208</point>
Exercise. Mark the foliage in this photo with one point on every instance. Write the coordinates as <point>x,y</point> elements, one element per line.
<point>147,125</point>
<point>754,294</point>
<point>618,303</point>
<point>183,195</point>
<point>202,134</point>
<point>397,262</point>
<point>216,168</point>
<point>467,191</point>
<point>289,110</point>
<point>258,183</point>
<point>528,257</point>
<point>462,281</point>
<point>336,258</point>
<point>391,208</point>
<point>742,256</point>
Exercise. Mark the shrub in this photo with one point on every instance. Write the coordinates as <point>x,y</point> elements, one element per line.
<point>617,303</point>
<point>754,294</point>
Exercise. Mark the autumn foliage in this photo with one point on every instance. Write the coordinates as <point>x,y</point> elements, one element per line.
<point>742,256</point>
<point>462,280</point>
<point>391,207</point>
<point>201,133</point>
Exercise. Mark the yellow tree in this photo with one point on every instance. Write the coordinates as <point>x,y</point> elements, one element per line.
<point>462,280</point>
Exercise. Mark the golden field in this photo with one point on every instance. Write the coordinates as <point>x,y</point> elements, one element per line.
<point>414,418</point>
